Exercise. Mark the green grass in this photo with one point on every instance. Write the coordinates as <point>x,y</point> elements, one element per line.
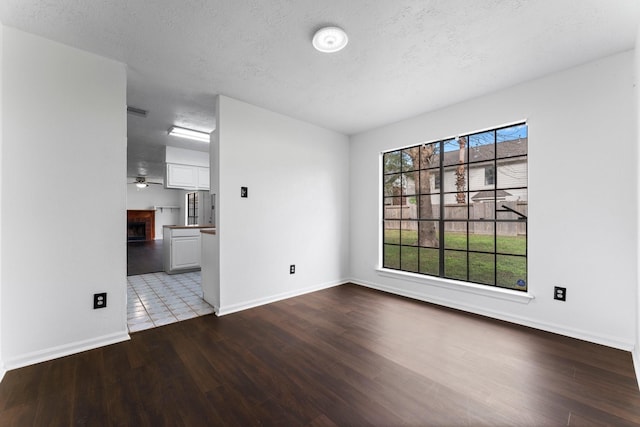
<point>510,267</point>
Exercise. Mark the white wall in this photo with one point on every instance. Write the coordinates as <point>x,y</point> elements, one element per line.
<point>636,350</point>
<point>2,366</point>
<point>296,212</point>
<point>582,194</point>
<point>210,272</point>
<point>64,119</point>
<point>157,195</point>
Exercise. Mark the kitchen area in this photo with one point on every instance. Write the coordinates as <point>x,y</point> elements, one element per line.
<point>165,220</point>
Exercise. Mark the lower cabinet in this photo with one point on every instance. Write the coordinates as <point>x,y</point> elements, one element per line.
<point>185,252</point>
<point>182,249</point>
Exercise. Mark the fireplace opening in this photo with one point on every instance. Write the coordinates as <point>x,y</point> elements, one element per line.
<point>136,231</point>
<point>140,225</point>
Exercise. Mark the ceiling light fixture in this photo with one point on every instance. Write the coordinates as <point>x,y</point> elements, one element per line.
<point>141,182</point>
<point>330,39</point>
<point>189,134</point>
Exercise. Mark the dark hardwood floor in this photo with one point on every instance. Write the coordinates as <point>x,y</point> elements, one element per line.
<point>342,356</point>
<point>144,257</point>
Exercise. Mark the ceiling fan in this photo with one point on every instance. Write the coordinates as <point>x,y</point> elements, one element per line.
<point>141,182</point>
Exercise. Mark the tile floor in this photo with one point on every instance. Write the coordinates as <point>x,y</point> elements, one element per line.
<point>157,299</point>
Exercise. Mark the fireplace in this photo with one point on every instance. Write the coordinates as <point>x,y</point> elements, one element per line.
<point>136,231</point>
<point>140,225</point>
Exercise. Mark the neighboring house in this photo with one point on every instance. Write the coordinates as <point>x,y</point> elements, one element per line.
<point>508,175</point>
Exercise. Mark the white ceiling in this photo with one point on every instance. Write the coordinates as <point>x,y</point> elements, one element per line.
<point>404,57</point>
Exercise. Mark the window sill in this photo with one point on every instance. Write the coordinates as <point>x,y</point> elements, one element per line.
<point>491,292</point>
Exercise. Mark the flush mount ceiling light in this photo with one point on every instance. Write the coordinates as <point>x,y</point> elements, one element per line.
<point>189,134</point>
<point>330,39</point>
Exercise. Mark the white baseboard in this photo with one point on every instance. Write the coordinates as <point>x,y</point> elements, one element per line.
<point>65,350</point>
<point>615,342</point>
<point>636,363</point>
<point>233,308</point>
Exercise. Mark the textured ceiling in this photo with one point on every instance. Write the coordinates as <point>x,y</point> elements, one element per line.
<point>404,57</point>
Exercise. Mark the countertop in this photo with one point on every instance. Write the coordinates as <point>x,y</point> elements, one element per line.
<point>173,227</point>
<point>208,231</point>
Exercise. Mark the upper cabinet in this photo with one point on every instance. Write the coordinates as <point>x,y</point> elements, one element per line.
<point>203,178</point>
<point>187,169</point>
<point>187,177</point>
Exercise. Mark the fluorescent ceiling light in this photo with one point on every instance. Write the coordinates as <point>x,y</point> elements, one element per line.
<point>330,39</point>
<point>189,134</point>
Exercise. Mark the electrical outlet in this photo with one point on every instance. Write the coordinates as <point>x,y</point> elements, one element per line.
<point>292,269</point>
<point>99,300</point>
<point>559,293</point>
<point>244,192</point>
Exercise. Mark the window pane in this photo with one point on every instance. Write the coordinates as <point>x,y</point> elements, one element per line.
<point>511,272</point>
<point>455,178</point>
<point>388,201</point>
<point>430,261</point>
<point>512,173</point>
<point>409,233</point>
<point>391,256</point>
<point>410,182</point>
<point>393,185</point>
<point>455,265</point>
<point>429,206</point>
<point>513,132</point>
<point>428,234</point>
<point>430,155</point>
<point>391,232</point>
<point>411,159</point>
<point>452,152</point>
<point>429,181</point>
<point>512,210</point>
<point>512,141</point>
<point>481,207</point>
<point>478,174</point>
<point>481,236</point>
<point>392,211</point>
<point>486,138</point>
<point>392,162</point>
<point>410,210</point>
<point>456,210</point>
<point>481,146</point>
<point>511,238</point>
<point>455,235</point>
<point>482,268</point>
<point>409,258</point>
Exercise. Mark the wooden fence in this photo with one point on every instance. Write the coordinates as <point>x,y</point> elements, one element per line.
<point>394,214</point>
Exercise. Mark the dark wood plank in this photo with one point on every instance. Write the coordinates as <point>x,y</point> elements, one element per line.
<point>342,356</point>
<point>144,257</point>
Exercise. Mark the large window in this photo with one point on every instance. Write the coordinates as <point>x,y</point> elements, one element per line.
<point>457,208</point>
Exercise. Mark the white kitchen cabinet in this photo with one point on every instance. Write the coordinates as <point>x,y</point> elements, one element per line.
<point>185,252</point>
<point>181,176</point>
<point>203,177</point>
<point>187,177</point>
<point>182,248</point>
